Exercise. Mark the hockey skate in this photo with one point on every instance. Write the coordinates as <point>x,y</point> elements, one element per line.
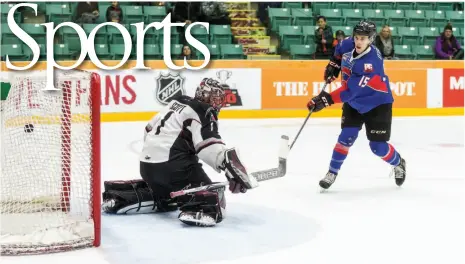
<point>328,180</point>
<point>197,219</point>
<point>400,172</point>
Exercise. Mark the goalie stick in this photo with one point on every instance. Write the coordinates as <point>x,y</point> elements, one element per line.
<point>263,175</point>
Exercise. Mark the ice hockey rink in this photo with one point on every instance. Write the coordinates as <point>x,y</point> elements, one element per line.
<point>363,218</point>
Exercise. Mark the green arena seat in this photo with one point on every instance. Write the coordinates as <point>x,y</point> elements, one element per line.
<point>302,52</point>
<point>200,33</point>
<point>292,5</point>
<point>353,16</point>
<point>333,16</point>
<point>62,52</point>
<point>396,18</point>
<point>346,29</point>
<point>455,30</point>
<point>458,32</point>
<point>384,5</point>
<point>428,35</point>
<point>232,52</point>
<point>423,52</point>
<point>58,13</point>
<point>14,52</point>
<point>455,17</point>
<point>102,51</point>
<point>375,15</point>
<point>215,52</point>
<point>363,5</point>
<point>436,18</point>
<point>152,52</point>
<point>317,6</point>
<point>70,38</point>
<point>176,50</point>
<point>309,34</point>
<point>154,13</point>
<point>404,52</point>
<point>416,18</point>
<point>424,6</point>
<point>405,5</point>
<point>409,35</point>
<point>175,36</point>
<point>132,14</point>
<point>101,37</point>
<point>42,52</point>
<point>342,5</point>
<point>7,36</point>
<point>37,31</point>
<point>117,51</point>
<point>115,36</point>
<point>444,6</point>
<point>220,34</point>
<point>302,16</point>
<point>290,35</point>
<point>150,37</point>
<point>279,17</point>
<point>4,9</point>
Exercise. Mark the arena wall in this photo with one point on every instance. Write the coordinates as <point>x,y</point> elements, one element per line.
<point>270,89</point>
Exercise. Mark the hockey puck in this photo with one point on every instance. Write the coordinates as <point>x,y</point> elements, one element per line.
<point>29,128</point>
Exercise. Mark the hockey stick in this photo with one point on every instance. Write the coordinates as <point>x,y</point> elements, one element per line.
<point>305,122</point>
<point>263,175</point>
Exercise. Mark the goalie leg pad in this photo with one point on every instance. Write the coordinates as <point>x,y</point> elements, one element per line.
<point>236,171</point>
<point>132,197</point>
<point>205,208</point>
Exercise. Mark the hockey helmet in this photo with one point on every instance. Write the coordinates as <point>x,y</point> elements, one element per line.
<point>365,28</point>
<point>210,91</point>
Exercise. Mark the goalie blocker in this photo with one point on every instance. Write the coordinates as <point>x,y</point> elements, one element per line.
<point>203,208</point>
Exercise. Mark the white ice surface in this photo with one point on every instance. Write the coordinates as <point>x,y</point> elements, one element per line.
<point>364,218</point>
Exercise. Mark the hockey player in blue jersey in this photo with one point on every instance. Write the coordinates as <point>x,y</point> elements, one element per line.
<point>366,98</point>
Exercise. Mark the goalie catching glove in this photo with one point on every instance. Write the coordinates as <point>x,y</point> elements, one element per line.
<point>239,180</point>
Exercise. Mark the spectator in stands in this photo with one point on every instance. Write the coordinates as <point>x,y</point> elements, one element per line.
<point>114,13</point>
<point>458,6</point>
<point>324,39</point>
<point>262,12</point>
<point>184,12</point>
<point>447,46</point>
<point>385,43</point>
<point>215,13</point>
<point>186,52</point>
<point>340,35</point>
<point>87,12</point>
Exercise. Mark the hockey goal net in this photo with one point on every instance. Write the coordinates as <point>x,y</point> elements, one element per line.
<point>50,164</point>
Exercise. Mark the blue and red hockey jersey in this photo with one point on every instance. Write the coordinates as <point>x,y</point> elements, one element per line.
<point>364,84</point>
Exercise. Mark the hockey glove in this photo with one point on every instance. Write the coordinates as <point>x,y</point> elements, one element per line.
<point>239,180</point>
<point>332,70</point>
<point>320,101</point>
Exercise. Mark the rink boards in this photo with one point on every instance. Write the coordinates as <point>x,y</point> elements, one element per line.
<point>271,89</point>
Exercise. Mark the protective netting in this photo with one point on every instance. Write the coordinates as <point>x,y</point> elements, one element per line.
<point>50,182</point>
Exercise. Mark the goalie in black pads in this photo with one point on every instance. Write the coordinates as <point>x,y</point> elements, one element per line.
<point>174,140</point>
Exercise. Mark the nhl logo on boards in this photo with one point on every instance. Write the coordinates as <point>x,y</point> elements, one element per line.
<point>169,86</point>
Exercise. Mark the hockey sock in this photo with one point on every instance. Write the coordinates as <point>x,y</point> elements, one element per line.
<point>345,141</point>
<point>386,152</point>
